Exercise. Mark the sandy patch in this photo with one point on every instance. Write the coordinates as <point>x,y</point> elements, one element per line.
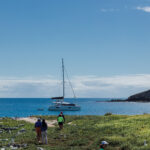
<point>50,123</point>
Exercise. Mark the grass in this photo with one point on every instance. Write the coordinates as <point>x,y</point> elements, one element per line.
<point>85,133</point>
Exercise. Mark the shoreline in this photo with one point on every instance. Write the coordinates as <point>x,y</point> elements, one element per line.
<point>50,123</point>
<point>53,122</point>
<point>123,101</point>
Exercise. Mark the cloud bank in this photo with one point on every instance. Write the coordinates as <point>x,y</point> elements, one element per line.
<point>84,86</point>
<point>109,10</point>
<point>145,9</point>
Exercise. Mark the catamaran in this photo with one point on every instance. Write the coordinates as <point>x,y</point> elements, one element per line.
<point>59,104</point>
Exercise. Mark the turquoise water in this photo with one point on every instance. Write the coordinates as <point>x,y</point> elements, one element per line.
<point>23,107</point>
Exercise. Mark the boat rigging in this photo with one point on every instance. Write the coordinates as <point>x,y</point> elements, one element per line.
<point>59,104</point>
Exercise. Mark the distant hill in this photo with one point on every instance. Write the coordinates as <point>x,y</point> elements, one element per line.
<point>140,97</point>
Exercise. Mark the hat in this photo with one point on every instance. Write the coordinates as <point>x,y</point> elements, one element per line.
<point>104,143</point>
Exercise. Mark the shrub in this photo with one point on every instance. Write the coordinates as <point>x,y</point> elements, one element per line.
<point>108,114</point>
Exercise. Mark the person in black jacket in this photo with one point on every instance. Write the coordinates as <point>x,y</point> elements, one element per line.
<point>44,131</point>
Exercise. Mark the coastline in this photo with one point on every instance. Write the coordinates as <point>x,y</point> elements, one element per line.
<point>50,123</point>
<point>124,101</point>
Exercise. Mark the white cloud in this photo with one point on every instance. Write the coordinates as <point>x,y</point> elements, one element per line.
<point>116,86</point>
<point>108,10</point>
<point>145,9</point>
<point>84,86</point>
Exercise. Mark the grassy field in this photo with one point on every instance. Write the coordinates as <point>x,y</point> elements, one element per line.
<point>82,133</point>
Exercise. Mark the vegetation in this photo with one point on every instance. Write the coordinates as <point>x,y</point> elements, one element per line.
<point>83,133</point>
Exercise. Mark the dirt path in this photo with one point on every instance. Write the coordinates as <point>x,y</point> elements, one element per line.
<point>34,119</point>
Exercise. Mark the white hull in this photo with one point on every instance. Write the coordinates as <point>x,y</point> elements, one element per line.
<point>64,108</point>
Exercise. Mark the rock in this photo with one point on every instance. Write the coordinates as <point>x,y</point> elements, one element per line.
<point>145,144</point>
<point>13,118</point>
<point>116,100</point>
<point>13,147</point>
<point>9,128</point>
<point>20,125</point>
<point>22,130</point>
<point>12,141</point>
<point>40,148</point>
<point>24,145</point>
<point>16,146</point>
<point>3,139</point>
<point>18,133</point>
<point>1,131</point>
<point>65,136</point>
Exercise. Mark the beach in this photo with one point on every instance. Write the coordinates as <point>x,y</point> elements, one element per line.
<point>32,120</point>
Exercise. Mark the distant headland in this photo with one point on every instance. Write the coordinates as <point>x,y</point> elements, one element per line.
<point>139,97</point>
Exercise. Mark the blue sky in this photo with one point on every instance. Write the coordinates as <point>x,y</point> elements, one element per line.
<point>98,39</point>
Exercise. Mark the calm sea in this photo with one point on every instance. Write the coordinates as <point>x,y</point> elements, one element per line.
<point>23,107</point>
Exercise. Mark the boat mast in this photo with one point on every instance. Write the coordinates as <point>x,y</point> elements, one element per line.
<point>63,78</point>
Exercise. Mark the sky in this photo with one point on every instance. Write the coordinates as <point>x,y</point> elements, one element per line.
<point>105,45</point>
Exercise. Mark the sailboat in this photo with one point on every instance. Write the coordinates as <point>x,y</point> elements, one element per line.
<point>59,104</point>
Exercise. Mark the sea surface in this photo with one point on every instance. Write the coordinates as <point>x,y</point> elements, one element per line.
<point>24,107</point>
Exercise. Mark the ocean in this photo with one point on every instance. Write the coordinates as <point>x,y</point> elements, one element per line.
<point>24,107</point>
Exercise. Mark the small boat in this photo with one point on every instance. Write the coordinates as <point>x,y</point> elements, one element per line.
<point>40,109</point>
<point>59,104</point>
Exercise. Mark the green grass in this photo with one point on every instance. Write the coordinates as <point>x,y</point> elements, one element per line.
<point>86,132</point>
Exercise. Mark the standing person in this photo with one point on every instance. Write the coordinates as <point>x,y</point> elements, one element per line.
<point>63,116</point>
<point>38,126</point>
<point>103,145</point>
<point>44,132</point>
<point>60,121</point>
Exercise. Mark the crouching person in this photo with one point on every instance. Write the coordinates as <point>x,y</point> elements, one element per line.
<point>103,145</point>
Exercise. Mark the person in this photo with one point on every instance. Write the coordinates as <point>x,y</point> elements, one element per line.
<point>38,126</point>
<point>60,121</point>
<point>62,116</point>
<point>44,132</point>
<point>103,145</point>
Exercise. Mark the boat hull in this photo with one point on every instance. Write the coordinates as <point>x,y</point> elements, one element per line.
<point>64,108</point>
